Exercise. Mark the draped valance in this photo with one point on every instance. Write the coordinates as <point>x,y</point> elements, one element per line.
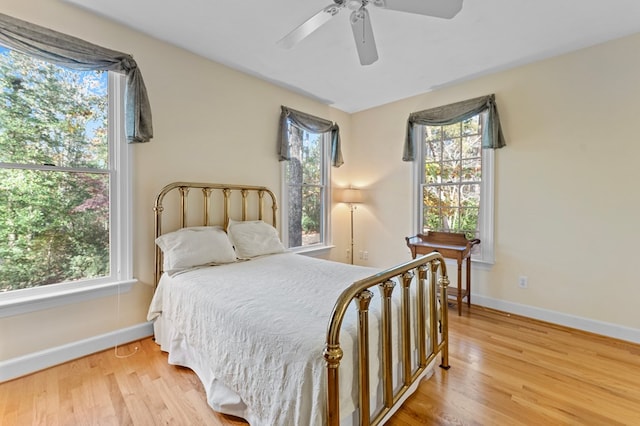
<point>492,136</point>
<point>74,53</point>
<point>310,124</point>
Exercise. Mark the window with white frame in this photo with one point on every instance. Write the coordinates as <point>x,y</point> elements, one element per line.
<point>64,182</point>
<point>305,191</point>
<point>454,190</point>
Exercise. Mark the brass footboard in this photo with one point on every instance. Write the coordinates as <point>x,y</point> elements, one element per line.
<point>427,269</point>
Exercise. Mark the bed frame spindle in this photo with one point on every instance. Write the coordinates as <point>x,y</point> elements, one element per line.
<point>386,289</point>
<point>364,298</point>
<point>407,277</point>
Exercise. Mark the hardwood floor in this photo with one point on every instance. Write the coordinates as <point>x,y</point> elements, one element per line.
<point>505,370</point>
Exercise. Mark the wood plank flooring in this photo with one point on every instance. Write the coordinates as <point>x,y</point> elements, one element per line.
<point>505,370</point>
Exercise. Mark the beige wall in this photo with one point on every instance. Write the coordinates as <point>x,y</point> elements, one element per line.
<point>567,197</point>
<point>210,124</point>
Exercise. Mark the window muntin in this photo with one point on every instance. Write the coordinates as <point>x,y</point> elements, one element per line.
<point>455,182</point>
<point>305,189</point>
<point>63,207</point>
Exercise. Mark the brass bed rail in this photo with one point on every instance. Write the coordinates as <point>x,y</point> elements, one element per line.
<point>206,218</point>
<point>427,268</point>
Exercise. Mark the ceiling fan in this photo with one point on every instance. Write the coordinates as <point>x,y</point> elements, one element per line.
<point>361,24</point>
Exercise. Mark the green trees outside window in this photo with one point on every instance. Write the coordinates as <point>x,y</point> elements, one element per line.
<point>306,187</point>
<point>453,177</point>
<point>54,173</point>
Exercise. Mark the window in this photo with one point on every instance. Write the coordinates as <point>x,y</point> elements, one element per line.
<point>455,191</point>
<point>305,189</point>
<point>64,188</point>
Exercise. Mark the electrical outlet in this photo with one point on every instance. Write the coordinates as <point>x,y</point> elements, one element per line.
<point>523,281</point>
<point>365,255</point>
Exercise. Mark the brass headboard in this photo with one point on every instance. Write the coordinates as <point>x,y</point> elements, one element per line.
<point>239,202</point>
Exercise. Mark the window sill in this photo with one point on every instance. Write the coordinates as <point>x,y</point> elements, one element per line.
<point>31,303</point>
<point>318,250</point>
<point>478,264</point>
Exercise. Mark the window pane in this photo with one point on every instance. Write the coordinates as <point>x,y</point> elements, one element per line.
<point>468,221</point>
<point>51,115</point>
<point>433,150</point>
<point>451,131</point>
<point>471,146</point>
<point>306,174</point>
<point>305,215</point>
<point>431,196</point>
<point>472,170</point>
<point>433,133</point>
<point>471,125</point>
<point>431,220</point>
<point>450,171</point>
<point>54,227</point>
<point>451,149</point>
<point>432,173</point>
<point>311,158</point>
<point>470,195</point>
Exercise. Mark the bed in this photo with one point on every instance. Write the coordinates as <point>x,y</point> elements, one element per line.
<point>280,338</point>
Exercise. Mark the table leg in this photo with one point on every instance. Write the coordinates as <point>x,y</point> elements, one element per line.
<point>469,281</point>
<point>459,298</point>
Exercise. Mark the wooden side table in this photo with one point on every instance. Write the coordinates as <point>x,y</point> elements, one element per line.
<point>450,245</point>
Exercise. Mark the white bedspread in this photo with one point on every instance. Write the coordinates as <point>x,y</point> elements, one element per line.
<point>265,350</point>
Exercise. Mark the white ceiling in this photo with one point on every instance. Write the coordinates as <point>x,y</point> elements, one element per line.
<point>417,53</point>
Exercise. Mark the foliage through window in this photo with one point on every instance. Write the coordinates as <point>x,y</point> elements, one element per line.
<point>305,188</point>
<point>57,174</point>
<point>452,177</point>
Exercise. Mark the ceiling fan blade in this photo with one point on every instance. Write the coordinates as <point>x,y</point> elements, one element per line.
<point>363,35</point>
<point>309,26</point>
<point>439,8</point>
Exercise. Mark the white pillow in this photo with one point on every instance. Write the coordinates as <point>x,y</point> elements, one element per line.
<point>195,246</point>
<point>254,238</point>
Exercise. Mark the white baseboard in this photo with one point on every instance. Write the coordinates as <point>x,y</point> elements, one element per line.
<point>585,324</point>
<point>30,363</point>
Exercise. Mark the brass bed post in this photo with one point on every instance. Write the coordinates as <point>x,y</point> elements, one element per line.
<point>244,193</point>
<point>227,203</point>
<point>420,314</point>
<point>274,209</point>
<point>364,298</point>
<point>206,192</point>
<point>333,355</point>
<point>158,253</point>
<point>386,289</point>
<point>433,308</point>
<point>406,324</point>
<point>260,204</point>
<point>184,193</point>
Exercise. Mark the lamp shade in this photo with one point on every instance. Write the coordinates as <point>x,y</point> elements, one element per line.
<point>351,196</point>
